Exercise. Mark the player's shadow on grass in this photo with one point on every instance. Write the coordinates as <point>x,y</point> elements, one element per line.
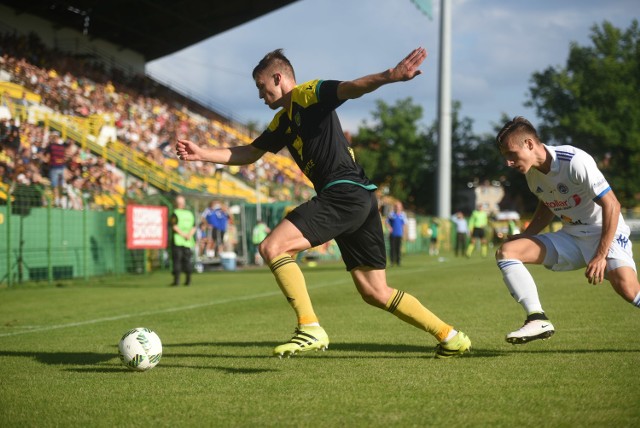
<point>93,362</point>
<point>164,366</point>
<point>336,350</point>
<point>340,349</point>
<point>62,358</point>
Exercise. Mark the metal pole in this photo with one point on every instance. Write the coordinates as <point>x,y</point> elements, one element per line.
<point>85,241</point>
<point>9,232</point>
<point>49,240</point>
<point>258,207</point>
<point>444,113</point>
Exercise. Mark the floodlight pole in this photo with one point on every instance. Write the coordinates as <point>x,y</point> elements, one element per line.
<point>444,113</point>
<point>258,206</point>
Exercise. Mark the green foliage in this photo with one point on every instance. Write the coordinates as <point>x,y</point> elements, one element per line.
<point>397,156</point>
<point>592,102</point>
<point>59,360</point>
<point>393,153</point>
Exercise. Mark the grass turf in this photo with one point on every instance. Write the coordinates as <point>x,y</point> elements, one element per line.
<point>59,364</point>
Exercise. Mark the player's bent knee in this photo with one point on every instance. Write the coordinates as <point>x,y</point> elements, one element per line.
<point>508,250</point>
<point>500,253</point>
<point>269,249</point>
<point>373,300</point>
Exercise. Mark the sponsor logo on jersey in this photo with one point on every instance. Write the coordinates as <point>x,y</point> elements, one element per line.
<point>557,205</point>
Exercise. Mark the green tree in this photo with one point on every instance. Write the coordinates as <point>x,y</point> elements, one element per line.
<point>404,161</point>
<point>392,151</point>
<point>592,102</point>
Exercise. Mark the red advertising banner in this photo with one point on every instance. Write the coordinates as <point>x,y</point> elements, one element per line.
<point>146,227</point>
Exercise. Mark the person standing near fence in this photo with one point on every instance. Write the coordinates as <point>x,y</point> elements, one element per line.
<point>396,220</point>
<point>478,222</point>
<point>183,225</point>
<point>462,232</point>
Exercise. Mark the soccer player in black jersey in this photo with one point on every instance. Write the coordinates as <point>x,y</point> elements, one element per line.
<point>345,207</point>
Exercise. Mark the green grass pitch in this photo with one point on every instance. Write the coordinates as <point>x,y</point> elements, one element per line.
<point>59,363</point>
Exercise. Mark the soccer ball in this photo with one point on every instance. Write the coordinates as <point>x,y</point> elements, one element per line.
<point>140,349</point>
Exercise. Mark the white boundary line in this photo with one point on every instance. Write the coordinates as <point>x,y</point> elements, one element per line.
<point>160,311</point>
<point>38,329</point>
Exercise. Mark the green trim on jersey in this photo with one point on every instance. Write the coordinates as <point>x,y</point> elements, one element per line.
<point>368,187</point>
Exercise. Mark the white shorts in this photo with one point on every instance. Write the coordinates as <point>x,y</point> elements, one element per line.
<point>567,252</point>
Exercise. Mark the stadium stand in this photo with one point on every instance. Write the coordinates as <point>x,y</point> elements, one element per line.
<point>112,126</point>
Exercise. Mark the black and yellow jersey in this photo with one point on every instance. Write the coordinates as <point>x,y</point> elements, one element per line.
<point>314,136</point>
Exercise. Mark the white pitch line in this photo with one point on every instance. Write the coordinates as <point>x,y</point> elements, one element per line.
<point>37,329</point>
<point>160,311</point>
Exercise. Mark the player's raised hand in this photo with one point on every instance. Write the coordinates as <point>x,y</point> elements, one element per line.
<point>408,68</point>
<point>189,151</point>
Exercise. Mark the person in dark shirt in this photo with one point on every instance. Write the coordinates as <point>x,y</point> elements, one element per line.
<point>345,207</point>
<point>55,155</point>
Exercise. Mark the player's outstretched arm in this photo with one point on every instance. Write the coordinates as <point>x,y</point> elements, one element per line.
<point>239,155</point>
<point>406,69</point>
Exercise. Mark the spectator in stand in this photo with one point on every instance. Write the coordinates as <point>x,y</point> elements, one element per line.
<point>12,139</point>
<point>56,164</point>
<point>6,160</point>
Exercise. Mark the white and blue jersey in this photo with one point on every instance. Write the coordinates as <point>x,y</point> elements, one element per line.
<point>570,190</point>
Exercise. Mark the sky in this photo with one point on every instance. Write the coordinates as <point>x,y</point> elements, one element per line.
<point>497,45</point>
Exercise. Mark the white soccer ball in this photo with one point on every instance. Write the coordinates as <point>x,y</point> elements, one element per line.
<point>140,349</point>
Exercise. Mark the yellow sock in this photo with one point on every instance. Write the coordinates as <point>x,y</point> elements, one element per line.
<point>291,281</point>
<point>410,310</point>
<point>485,250</point>
<point>470,249</point>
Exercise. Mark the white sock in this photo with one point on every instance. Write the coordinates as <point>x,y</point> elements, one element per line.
<point>451,335</point>
<point>636,301</point>
<point>313,324</point>
<point>520,284</point>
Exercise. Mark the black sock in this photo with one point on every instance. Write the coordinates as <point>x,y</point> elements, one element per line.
<point>537,316</point>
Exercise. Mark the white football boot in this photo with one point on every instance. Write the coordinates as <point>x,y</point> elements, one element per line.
<point>531,330</point>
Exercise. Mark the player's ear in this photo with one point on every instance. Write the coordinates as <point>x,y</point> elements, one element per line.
<point>276,78</point>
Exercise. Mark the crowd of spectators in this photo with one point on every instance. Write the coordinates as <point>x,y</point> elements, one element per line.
<point>144,118</point>
<point>67,174</point>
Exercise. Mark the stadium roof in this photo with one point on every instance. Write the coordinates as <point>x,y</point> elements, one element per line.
<point>152,28</point>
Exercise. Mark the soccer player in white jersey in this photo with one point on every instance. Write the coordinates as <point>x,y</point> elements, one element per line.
<point>594,235</point>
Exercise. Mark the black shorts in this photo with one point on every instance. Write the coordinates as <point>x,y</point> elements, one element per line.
<point>478,232</point>
<point>349,214</point>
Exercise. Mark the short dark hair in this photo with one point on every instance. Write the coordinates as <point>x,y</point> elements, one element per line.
<point>517,124</point>
<point>274,58</point>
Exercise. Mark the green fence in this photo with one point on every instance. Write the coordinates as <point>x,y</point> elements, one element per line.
<point>41,243</point>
